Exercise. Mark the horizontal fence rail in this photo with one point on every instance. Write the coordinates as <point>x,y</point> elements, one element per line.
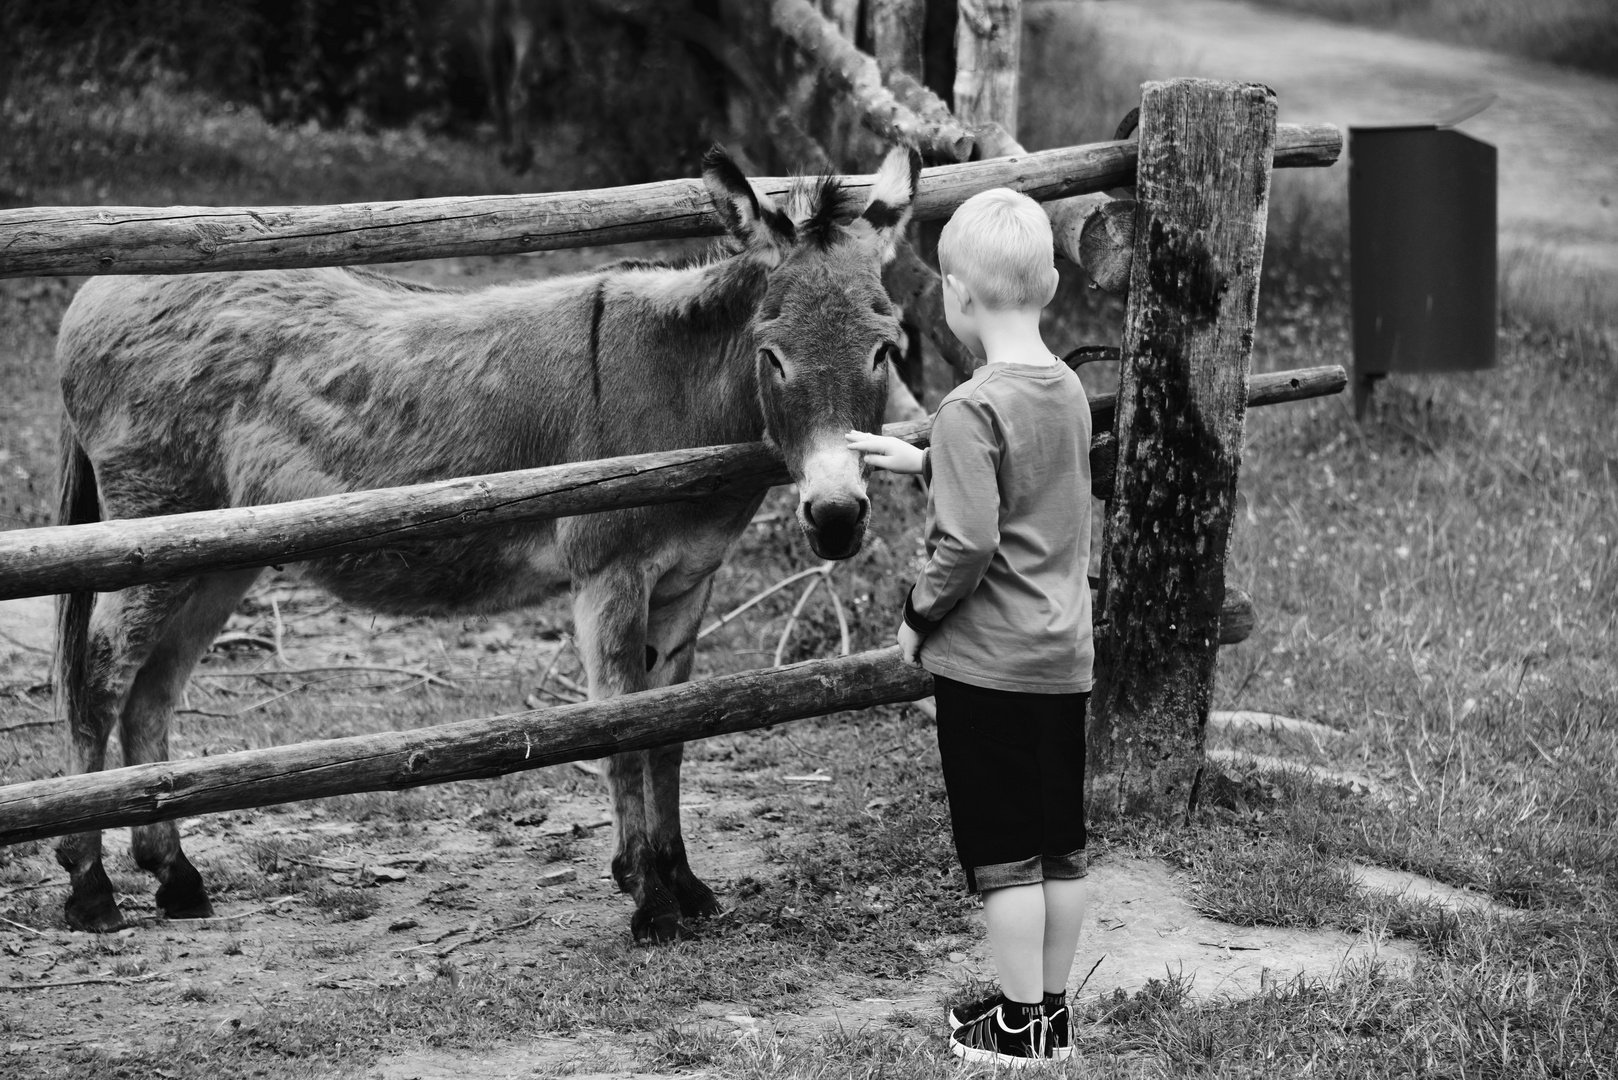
<point>116,554</point>
<point>191,239</point>
<point>468,750</point>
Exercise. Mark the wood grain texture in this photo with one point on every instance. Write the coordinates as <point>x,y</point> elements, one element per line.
<point>1107,244</point>
<point>470,749</point>
<point>1203,186</point>
<point>988,52</point>
<point>895,29</point>
<point>201,239</point>
<point>116,554</point>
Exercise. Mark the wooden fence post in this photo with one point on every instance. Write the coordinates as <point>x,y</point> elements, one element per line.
<point>895,30</point>
<point>1203,185</point>
<point>988,44</point>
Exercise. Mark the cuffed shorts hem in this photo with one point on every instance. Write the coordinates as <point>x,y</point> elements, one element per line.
<point>1030,871</point>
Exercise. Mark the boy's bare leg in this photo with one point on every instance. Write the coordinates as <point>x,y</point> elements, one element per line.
<point>1065,908</point>
<point>1016,919</point>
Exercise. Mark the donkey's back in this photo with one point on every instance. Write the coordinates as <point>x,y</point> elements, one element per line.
<point>214,390</point>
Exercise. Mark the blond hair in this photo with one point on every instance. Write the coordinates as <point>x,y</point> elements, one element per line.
<point>999,243</point>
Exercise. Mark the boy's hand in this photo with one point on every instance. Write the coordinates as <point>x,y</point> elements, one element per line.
<point>886,452</point>
<point>910,644</point>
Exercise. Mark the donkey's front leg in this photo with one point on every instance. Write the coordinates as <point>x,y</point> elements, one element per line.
<point>609,617</point>
<point>671,647</point>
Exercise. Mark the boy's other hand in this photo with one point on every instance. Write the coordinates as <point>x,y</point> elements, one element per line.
<point>910,644</point>
<point>886,452</point>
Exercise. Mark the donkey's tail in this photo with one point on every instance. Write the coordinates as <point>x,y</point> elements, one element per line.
<point>78,503</point>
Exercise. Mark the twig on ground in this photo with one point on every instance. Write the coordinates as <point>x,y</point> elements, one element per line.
<point>927,707</point>
<point>434,941</point>
<point>481,938</point>
<point>24,645</point>
<point>27,724</point>
<point>1087,975</point>
<point>570,685</point>
<point>414,673</point>
<point>22,926</point>
<point>246,708</point>
<point>1411,762</point>
<point>280,629</point>
<point>32,885</point>
<point>758,598</point>
<point>21,693</point>
<point>241,637</point>
<point>118,980</point>
<point>273,905</point>
<point>842,620</point>
<point>545,676</point>
<point>576,829</point>
<point>824,571</point>
<point>587,767</point>
<point>533,702</point>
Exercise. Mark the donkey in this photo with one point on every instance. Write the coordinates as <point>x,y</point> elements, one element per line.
<point>197,392</point>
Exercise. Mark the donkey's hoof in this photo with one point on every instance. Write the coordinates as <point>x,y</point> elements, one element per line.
<point>183,896</point>
<point>697,901</point>
<point>95,914</point>
<point>655,927</point>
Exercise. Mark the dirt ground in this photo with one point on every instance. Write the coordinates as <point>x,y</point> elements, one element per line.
<point>458,892</point>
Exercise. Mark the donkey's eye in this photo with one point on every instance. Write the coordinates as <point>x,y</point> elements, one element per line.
<point>774,361</point>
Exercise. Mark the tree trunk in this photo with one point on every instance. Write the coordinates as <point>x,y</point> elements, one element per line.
<point>1203,182</point>
<point>895,30</point>
<point>988,45</point>
<point>845,14</point>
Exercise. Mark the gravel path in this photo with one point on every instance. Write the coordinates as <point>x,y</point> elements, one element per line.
<point>1557,130</point>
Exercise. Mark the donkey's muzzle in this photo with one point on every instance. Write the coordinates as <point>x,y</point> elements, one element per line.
<point>837,524</point>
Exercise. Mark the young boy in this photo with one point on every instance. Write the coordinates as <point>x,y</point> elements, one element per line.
<point>1001,616</point>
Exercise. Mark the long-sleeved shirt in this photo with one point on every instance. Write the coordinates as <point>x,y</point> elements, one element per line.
<point>1004,598</point>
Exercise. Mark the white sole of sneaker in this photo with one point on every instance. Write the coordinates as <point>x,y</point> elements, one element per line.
<point>974,1056</point>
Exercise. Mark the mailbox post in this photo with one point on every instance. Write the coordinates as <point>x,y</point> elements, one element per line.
<point>1421,204</point>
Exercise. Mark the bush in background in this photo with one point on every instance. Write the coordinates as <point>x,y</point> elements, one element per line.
<point>643,98</point>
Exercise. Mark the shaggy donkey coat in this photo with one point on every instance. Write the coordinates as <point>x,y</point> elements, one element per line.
<point>196,392</point>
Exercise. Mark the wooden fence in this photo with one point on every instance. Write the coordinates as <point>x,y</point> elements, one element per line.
<point>1167,451</point>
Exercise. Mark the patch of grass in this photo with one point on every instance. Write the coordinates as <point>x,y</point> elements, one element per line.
<point>341,904</point>
<point>1575,33</point>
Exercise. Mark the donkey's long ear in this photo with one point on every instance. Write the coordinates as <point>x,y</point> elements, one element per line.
<point>750,218</point>
<point>892,196</point>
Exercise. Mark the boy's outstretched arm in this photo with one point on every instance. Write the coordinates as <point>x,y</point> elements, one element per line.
<point>886,452</point>
<point>963,513</point>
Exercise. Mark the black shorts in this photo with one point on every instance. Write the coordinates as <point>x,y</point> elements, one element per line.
<point>1014,773</point>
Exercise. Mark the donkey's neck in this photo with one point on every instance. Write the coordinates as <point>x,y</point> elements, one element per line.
<point>698,322</point>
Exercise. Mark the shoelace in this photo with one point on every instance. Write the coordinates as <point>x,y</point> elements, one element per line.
<point>981,1034</point>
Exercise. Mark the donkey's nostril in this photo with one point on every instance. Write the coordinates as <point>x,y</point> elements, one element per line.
<point>837,521</point>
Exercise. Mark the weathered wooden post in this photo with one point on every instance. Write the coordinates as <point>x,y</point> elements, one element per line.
<point>1203,185</point>
<point>988,45</point>
<point>895,30</point>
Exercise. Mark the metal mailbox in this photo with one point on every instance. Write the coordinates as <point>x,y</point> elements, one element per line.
<point>1422,223</point>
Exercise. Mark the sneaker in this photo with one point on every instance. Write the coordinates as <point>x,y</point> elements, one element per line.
<point>1054,1009</point>
<point>962,1015</point>
<point>992,1039</point>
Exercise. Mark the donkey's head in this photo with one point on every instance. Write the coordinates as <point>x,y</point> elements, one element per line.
<point>825,329</point>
